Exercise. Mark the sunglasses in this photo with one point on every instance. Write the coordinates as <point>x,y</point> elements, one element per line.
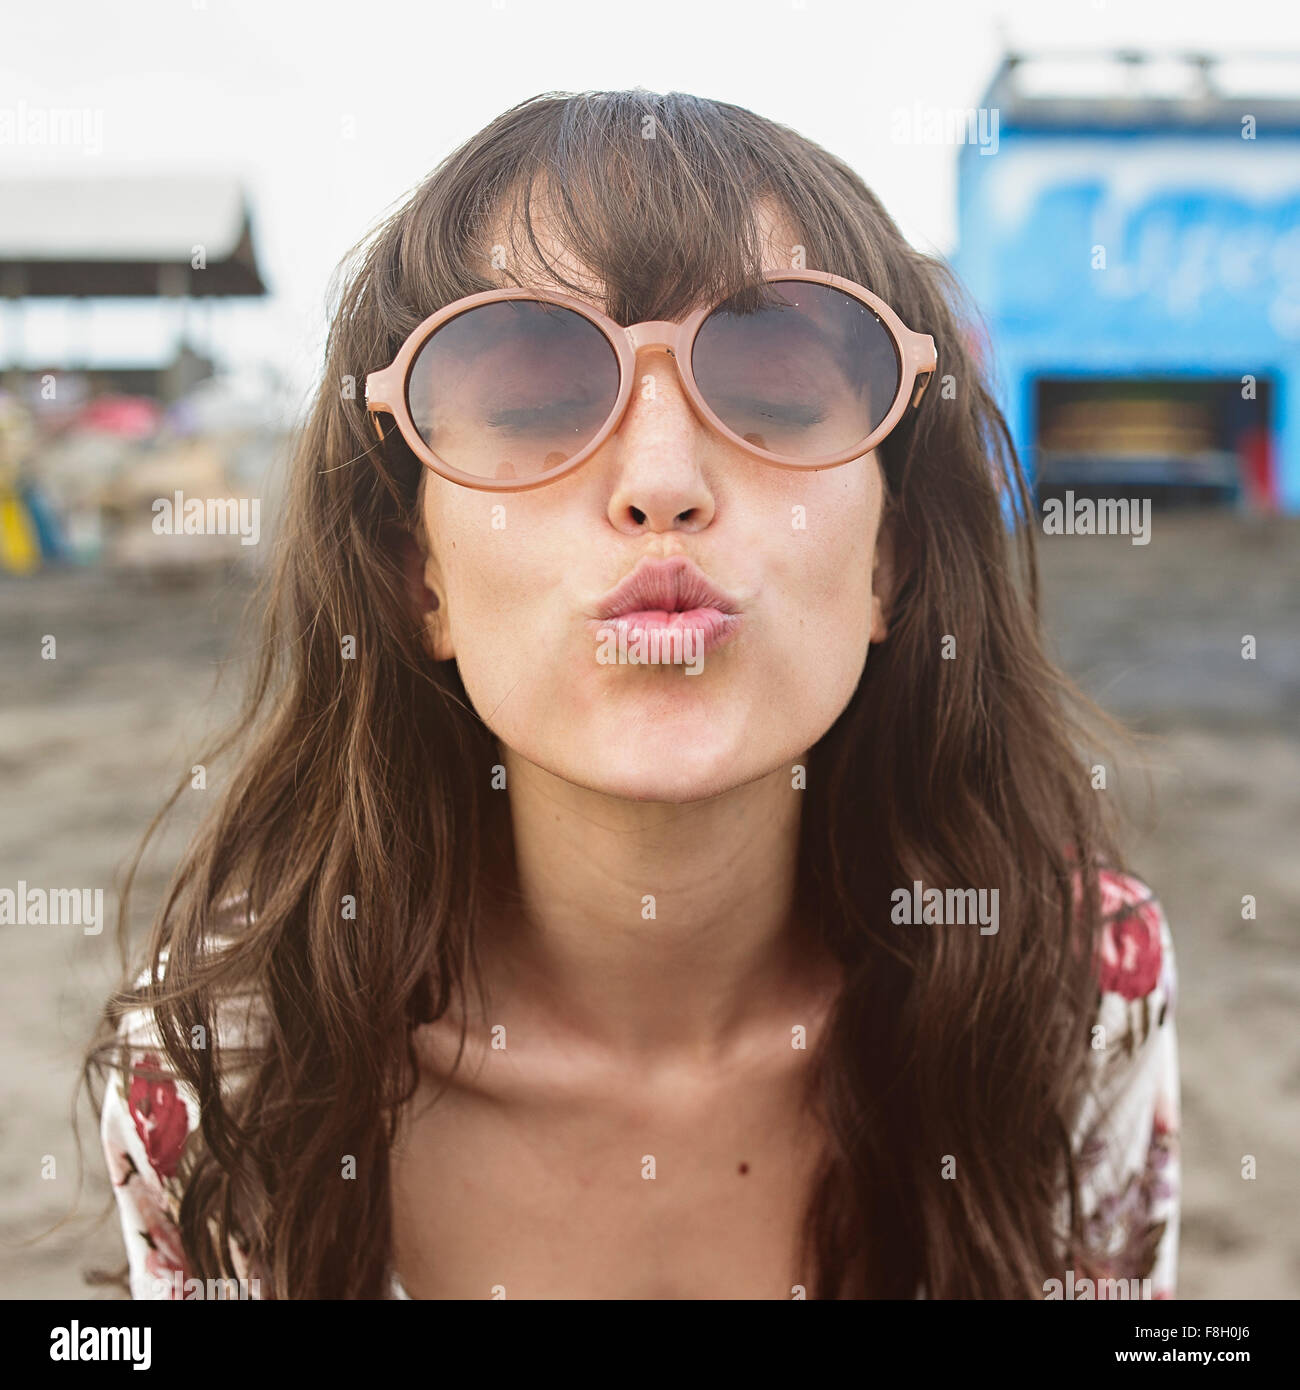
<point>513,388</point>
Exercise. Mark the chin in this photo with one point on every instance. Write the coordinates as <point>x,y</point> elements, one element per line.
<point>662,767</point>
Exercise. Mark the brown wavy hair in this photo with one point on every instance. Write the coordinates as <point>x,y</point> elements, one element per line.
<point>369,777</point>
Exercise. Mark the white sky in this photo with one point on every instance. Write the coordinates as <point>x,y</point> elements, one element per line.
<point>269,90</point>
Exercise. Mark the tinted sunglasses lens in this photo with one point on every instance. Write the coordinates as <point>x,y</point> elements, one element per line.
<point>811,373</point>
<point>512,388</point>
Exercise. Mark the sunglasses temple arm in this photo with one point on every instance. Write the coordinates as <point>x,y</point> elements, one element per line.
<point>926,368</point>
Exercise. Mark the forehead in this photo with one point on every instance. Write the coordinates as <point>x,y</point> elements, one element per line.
<point>508,258</point>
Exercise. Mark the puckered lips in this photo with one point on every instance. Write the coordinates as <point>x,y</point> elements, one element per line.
<point>667,594</point>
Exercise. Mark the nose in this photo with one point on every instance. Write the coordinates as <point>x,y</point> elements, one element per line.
<point>657,451</point>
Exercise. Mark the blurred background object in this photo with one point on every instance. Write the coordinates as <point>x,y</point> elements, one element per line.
<point>105,438</point>
<point>1135,245</point>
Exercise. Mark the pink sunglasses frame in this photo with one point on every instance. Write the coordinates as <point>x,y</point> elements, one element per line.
<point>386,390</point>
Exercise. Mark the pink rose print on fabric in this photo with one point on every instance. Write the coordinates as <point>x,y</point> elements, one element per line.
<point>1128,952</point>
<point>160,1118</point>
<point>166,1257</point>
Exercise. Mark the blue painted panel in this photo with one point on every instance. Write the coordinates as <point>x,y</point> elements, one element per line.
<point>1139,254</point>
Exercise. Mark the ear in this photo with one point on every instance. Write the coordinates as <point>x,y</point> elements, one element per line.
<point>884,577</point>
<point>423,590</point>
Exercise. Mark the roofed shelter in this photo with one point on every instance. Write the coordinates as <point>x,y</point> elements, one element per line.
<point>169,237</point>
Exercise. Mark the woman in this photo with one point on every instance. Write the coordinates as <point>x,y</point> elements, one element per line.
<point>661,861</point>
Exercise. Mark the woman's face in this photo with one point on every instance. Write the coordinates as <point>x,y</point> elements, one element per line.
<point>519,577</point>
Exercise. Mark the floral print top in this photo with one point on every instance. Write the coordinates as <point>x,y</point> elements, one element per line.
<point>1127,1135</point>
<point>1126,1138</point>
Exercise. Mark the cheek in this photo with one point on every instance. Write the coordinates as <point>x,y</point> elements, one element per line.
<point>818,584</point>
<point>503,575</point>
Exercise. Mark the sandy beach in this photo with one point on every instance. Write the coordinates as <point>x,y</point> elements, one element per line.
<point>92,741</point>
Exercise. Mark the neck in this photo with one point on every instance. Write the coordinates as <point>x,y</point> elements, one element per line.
<point>647,927</point>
